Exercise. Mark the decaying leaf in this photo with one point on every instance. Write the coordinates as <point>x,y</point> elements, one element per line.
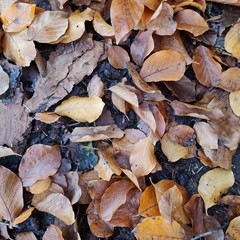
<point>17,16</point>
<point>233,228</point>
<point>158,228</point>
<point>48,26</point>
<point>81,109</point>
<point>85,134</point>
<point>4,81</point>
<point>191,21</point>
<point>53,232</point>
<point>39,162</point>
<point>166,65</point>
<point>11,195</point>
<point>213,184</point>
<point>234,100</point>
<point>59,206</point>
<point>17,48</point>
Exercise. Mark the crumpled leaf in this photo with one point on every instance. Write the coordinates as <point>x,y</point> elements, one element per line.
<point>233,228</point>
<point>57,205</point>
<point>234,100</point>
<point>4,81</point>
<point>191,21</point>
<point>125,15</point>
<point>17,16</point>
<point>166,65</point>
<point>53,232</point>
<point>158,228</point>
<point>142,158</point>
<point>39,162</point>
<point>17,48</point>
<point>213,184</point>
<point>85,134</point>
<point>81,109</point>
<point>48,26</point>
<point>11,195</point>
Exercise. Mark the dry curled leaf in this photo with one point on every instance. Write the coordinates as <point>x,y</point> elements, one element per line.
<point>233,228</point>
<point>81,109</point>
<point>166,65</point>
<point>39,162</point>
<point>234,100</point>
<point>53,232</point>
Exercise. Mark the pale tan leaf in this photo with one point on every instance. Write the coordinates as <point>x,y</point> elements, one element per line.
<point>4,81</point>
<point>76,25</point>
<point>95,87</point>
<point>125,15</point>
<point>61,3</point>
<point>6,3</point>
<point>47,117</point>
<point>119,103</point>
<point>166,65</point>
<point>17,48</point>
<point>11,195</point>
<point>85,134</point>
<point>59,206</point>
<point>26,236</point>
<point>142,158</point>
<point>53,232</point>
<point>213,184</point>
<point>206,136</point>
<point>118,57</point>
<point>81,109</point>
<point>234,100</point>
<point>5,151</point>
<point>23,216</point>
<point>158,228</point>
<point>132,177</point>
<point>40,186</point>
<point>113,198</point>
<point>191,21</point>
<point>234,228</point>
<point>48,26</point>
<point>39,162</point>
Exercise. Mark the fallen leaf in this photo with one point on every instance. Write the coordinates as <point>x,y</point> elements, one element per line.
<point>23,216</point>
<point>17,16</point>
<point>95,87</point>
<point>47,117</point>
<point>232,42</point>
<point>152,4</point>
<point>213,184</point>
<point>11,195</point>
<point>57,205</point>
<point>4,81</point>
<point>206,136</point>
<point>85,134</point>
<point>142,158</point>
<point>40,186</point>
<point>125,15</point>
<point>48,26</point>
<point>5,151</point>
<point>191,21</point>
<point>233,228</point>
<point>119,103</point>
<point>201,5</point>
<point>17,48</point>
<point>39,162</point>
<point>163,24</point>
<point>141,47</point>
<point>6,3</point>
<point>160,121</point>
<point>158,228</point>
<point>166,65</point>
<point>74,191</point>
<point>81,109</point>
<point>76,25</point>
<point>132,177</point>
<point>234,100</point>
<point>26,236</point>
<point>101,26</point>
<point>53,232</point>
<point>207,70</point>
<point>212,225</point>
<point>229,79</point>
<point>113,198</point>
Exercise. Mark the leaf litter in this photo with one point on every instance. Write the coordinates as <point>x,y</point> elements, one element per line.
<point>130,108</point>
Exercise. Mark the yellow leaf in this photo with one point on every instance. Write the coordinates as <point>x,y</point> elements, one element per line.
<point>23,216</point>
<point>234,228</point>
<point>213,184</point>
<point>234,99</point>
<point>81,109</point>
<point>158,228</point>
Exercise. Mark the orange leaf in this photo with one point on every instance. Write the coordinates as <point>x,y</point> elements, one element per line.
<point>17,16</point>
<point>125,15</point>
<point>166,65</point>
<point>47,117</point>
<point>192,22</point>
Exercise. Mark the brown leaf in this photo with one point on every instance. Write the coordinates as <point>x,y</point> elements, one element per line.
<point>39,162</point>
<point>53,232</point>
<point>48,26</point>
<point>95,87</point>
<point>62,69</point>
<point>125,15</point>
<point>11,195</point>
<point>158,228</point>
<point>211,224</point>
<point>213,184</point>
<point>17,16</point>
<point>119,103</point>
<point>40,186</point>
<point>152,4</point>
<point>118,57</point>
<point>141,47</point>
<point>59,206</point>
<point>160,121</point>
<point>74,191</point>
<point>163,24</point>
<point>113,198</point>
<point>166,65</point>
<point>233,228</point>
<point>191,21</point>
<point>85,134</point>
<point>77,108</point>
<point>26,236</point>
<point>207,70</point>
<point>234,100</point>
<point>47,117</point>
